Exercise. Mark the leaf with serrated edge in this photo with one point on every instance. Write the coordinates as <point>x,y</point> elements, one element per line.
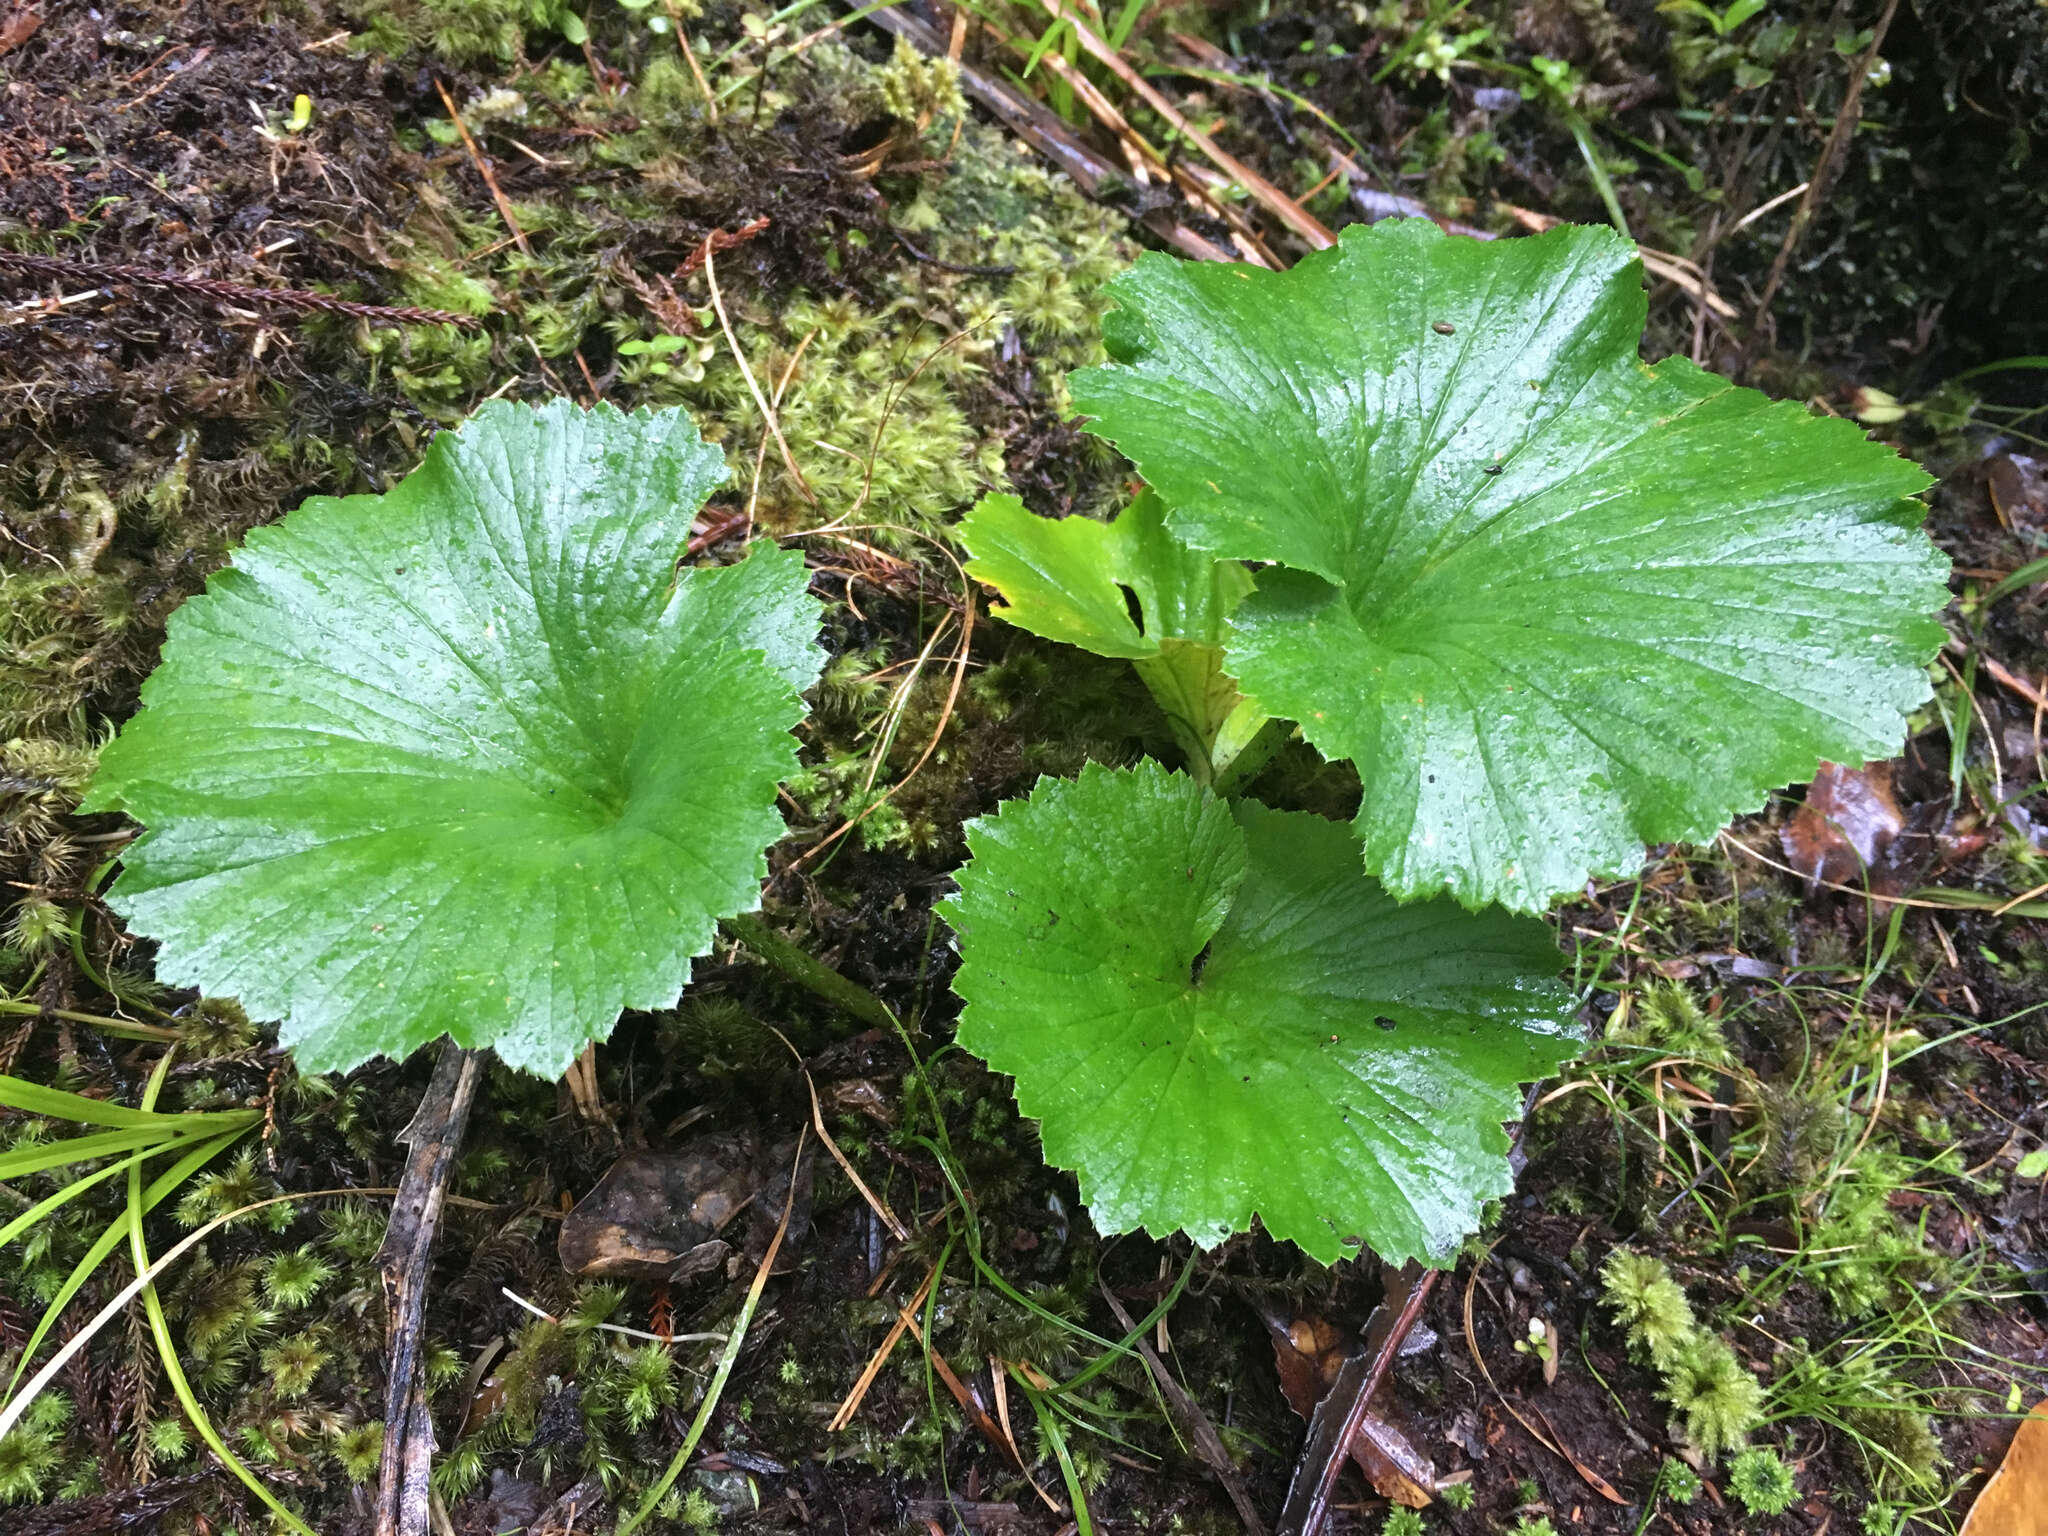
<point>1554,603</point>
<point>470,758</point>
<point>1065,578</point>
<point>1073,580</point>
<point>1212,1017</point>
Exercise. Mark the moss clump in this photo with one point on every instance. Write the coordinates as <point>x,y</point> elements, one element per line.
<point>1762,1482</point>
<point>1703,1379</point>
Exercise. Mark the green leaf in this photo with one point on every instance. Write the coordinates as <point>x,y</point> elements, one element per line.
<point>471,758</point>
<point>2034,1165</point>
<point>1215,1015</point>
<point>1073,579</point>
<point>1077,581</point>
<point>1554,603</point>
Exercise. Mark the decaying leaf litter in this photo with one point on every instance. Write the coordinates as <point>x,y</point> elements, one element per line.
<point>1758,1070</point>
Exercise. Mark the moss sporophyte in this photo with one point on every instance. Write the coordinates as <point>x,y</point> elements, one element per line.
<point>476,758</point>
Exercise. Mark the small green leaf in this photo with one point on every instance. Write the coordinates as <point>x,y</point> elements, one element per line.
<point>1554,603</point>
<point>1077,581</point>
<point>470,758</point>
<point>1072,579</point>
<point>2034,1165</point>
<point>1213,1017</point>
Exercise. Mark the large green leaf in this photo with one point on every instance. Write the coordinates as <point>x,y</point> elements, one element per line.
<point>1553,603</point>
<point>1216,1014</point>
<point>1079,581</point>
<point>472,757</point>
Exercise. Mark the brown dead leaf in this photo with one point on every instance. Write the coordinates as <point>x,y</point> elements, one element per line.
<point>1308,1352</point>
<point>2019,491</point>
<point>2015,1501</point>
<point>1848,823</point>
<point>19,25</point>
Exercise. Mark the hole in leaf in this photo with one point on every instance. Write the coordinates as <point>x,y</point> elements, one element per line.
<point>1195,971</point>
<point>1134,608</point>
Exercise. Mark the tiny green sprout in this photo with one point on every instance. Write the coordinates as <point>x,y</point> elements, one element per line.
<point>1542,1343</point>
<point>1762,1481</point>
<point>1528,1491</point>
<point>1678,1482</point>
<point>2034,1165</point>
<point>302,114</point>
<point>444,1366</point>
<point>1649,1304</point>
<point>39,925</point>
<point>649,1384</point>
<point>1456,1496</point>
<point>1533,1525</point>
<point>1714,1390</point>
<point>168,1439</point>
<point>699,1513</point>
<point>293,1278</point>
<point>1875,408</point>
<point>1402,1522</point>
<point>292,1363</point>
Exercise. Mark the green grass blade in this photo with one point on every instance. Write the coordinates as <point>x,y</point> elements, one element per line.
<point>108,1240</point>
<point>56,1104</point>
<point>2033,571</point>
<point>2001,366</point>
<point>79,1149</point>
<point>726,1360</point>
<point>160,1330</point>
<point>1056,1438</point>
<point>70,1192</point>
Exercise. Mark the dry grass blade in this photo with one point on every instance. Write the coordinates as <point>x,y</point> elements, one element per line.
<point>850,1405</point>
<point>875,1203</point>
<point>1278,203</point>
<point>675,19</point>
<point>483,169</point>
<point>753,386</point>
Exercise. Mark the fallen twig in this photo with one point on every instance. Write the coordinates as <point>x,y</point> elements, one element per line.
<point>1208,1444</point>
<point>431,1140</point>
<point>1337,1417</point>
<point>226,292</point>
<point>1823,175</point>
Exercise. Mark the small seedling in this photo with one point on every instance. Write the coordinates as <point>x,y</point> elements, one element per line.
<point>1542,1343</point>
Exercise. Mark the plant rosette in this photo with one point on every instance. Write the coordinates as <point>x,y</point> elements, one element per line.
<point>473,757</point>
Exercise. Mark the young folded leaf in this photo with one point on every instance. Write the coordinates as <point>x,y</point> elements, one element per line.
<point>1074,580</point>
<point>1213,1012</point>
<point>1554,603</point>
<point>471,757</point>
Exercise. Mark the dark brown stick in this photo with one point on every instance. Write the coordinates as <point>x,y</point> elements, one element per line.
<point>1338,1415</point>
<point>1207,1442</point>
<point>231,293</point>
<point>431,1141</point>
<point>1824,168</point>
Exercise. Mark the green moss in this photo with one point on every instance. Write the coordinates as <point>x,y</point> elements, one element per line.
<point>1762,1482</point>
